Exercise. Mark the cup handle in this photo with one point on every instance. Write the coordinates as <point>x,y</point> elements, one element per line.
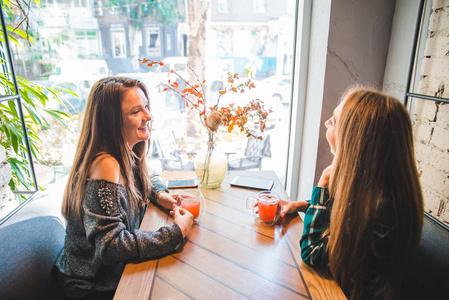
<point>278,211</point>
<point>202,208</point>
<point>250,203</point>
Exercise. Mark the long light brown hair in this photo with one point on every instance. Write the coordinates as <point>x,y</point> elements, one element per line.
<point>102,132</point>
<point>377,210</point>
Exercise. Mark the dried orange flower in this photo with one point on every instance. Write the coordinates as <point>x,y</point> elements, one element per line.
<point>214,117</point>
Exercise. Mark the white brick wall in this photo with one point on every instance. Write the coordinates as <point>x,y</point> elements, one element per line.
<point>431,119</point>
<point>6,196</point>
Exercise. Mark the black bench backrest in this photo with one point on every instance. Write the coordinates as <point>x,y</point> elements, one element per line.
<point>30,241</point>
<point>429,274</point>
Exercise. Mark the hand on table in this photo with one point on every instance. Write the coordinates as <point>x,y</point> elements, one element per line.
<point>183,218</point>
<point>289,207</point>
<point>166,200</point>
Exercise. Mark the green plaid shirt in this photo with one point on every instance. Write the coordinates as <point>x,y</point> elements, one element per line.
<point>316,221</point>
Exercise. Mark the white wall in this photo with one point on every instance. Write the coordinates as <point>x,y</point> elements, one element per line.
<point>7,201</point>
<point>348,44</point>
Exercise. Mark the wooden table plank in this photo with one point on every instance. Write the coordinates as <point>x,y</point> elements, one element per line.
<point>321,286</point>
<point>263,264</point>
<point>246,237</point>
<point>163,289</point>
<point>245,281</point>
<point>227,255</point>
<point>192,281</point>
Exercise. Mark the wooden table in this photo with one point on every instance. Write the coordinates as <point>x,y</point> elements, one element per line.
<point>228,256</point>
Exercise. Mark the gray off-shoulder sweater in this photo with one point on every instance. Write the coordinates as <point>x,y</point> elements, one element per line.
<point>94,255</point>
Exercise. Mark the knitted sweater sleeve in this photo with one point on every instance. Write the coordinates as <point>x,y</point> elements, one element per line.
<point>110,226</point>
<point>156,186</point>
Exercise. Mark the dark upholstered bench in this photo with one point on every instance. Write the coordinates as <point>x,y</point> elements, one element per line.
<point>30,241</point>
<point>429,275</point>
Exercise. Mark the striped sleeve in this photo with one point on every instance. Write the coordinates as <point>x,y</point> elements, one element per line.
<point>316,221</point>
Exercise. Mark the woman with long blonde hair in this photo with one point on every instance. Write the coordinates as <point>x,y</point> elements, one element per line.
<point>365,218</point>
<point>107,193</point>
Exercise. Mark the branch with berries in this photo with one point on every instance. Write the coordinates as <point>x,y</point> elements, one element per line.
<point>212,117</point>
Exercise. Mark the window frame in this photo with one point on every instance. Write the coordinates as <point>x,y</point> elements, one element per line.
<point>8,66</point>
<point>259,6</point>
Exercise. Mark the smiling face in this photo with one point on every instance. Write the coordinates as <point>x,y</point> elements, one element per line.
<point>136,116</point>
<point>331,126</point>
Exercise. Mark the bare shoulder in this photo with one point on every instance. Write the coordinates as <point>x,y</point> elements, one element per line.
<point>105,167</point>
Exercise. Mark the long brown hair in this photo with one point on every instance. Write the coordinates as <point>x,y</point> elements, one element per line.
<point>102,131</point>
<point>377,210</point>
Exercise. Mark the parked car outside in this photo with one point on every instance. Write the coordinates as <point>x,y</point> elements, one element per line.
<point>278,87</point>
<point>84,73</point>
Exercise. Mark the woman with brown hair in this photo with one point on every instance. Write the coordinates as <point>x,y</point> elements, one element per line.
<point>365,218</point>
<point>107,191</point>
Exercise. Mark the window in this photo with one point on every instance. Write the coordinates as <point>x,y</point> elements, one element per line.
<point>98,8</point>
<point>225,43</point>
<point>427,99</point>
<point>118,44</point>
<point>154,48</point>
<point>259,6</point>
<point>223,6</point>
<point>259,39</point>
<point>78,50</point>
<point>80,3</point>
<point>47,3</point>
<point>86,43</point>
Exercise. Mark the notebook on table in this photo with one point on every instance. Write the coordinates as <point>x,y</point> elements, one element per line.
<point>252,182</point>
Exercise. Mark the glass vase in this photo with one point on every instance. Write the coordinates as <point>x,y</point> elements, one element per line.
<point>210,165</point>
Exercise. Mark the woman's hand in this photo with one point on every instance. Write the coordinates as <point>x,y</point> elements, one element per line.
<point>289,207</point>
<point>183,218</point>
<point>324,180</point>
<point>166,200</point>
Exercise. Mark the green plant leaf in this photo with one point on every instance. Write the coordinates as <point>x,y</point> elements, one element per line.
<point>55,114</point>
<point>33,115</point>
<point>20,33</point>
<point>14,143</point>
<point>12,107</point>
<point>18,168</point>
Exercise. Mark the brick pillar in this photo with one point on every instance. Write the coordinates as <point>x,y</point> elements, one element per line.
<point>431,119</point>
